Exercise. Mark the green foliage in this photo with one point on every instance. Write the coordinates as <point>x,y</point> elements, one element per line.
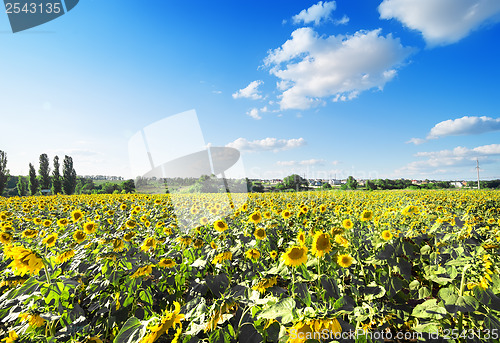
<point>128,186</point>
<point>295,182</point>
<point>4,172</point>
<point>351,183</point>
<point>21,186</point>
<point>44,172</point>
<point>33,181</point>
<point>56,177</point>
<point>69,176</point>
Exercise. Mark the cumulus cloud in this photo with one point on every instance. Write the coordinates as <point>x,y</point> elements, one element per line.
<point>438,161</point>
<point>316,13</point>
<point>464,126</point>
<point>254,113</point>
<point>442,22</point>
<point>251,91</point>
<point>417,141</point>
<point>312,67</point>
<point>267,144</point>
<point>311,162</point>
<point>467,125</point>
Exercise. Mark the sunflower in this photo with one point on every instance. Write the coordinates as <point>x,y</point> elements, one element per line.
<point>118,245</point>
<point>11,338</point>
<point>254,254</point>
<point>301,237</point>
<point>47,223</point>
<point>76,215</point>
<point>167,230</point>
<point>286,214</point>
<point>89,227</point>
<point>341,240</point>
<point>23,260</point>
<point>50,240</point>
<point>347,224</point>
<point>308,329</point>
<point>5,238</point>
<point>166,263</point>
<point>62,222</point>
<point>79,236</point>
<point>148,243</point>
<point>142,271</point>
<point>259,233</point>
<point>61,258</point>
<point>33,320</point>
<point>264,284</point>
<point>131,223</point>
<point>295,256</point>
<point>267,215</point>
<point>366,216</point>
<point>169,320</point>
<point>220,226</point>
<point>30,233</point>
<point>321,244</point>
<point>198,243</point>
<point>386,235</point>
<point>344,261</point>
<point>255,217</point>
<point>273,254</point>
<point>128,236</point>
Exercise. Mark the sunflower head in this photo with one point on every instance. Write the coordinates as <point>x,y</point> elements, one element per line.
<point>321,244</point>
<point>295,256</point>
<point>347,224</point>
<point>259,233</point>
<point>344,261</point>
<point>220,225</point>
<point>386,235</point>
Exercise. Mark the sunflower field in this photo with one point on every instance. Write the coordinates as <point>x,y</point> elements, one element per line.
<point>331,266</point>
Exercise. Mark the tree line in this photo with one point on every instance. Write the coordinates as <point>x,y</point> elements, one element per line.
<point>44,181</point>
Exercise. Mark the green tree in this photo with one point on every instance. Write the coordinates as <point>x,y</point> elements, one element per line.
<point>326,185</point>
<point>69,176</point>
<point>351,183</point>
<point>33,181</point>
<point>370,185</point>
<point>128,186</point>
<point>21,186</point>
<point>44,172</point>
<point>295,181</point>
<point>4,172</point>
<point>56,177</point>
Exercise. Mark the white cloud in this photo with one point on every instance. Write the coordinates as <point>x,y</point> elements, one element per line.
<point>441,22</point>
<point>340,66</point>
<point>343,21</point>
<point>316,13</point>
<point>464,126</point>
<point>417,141</point>
<point>254,113</point>
<point>439,161</point>
<point>250,91</point>
<point>311,162</point>
<point>267,144</point>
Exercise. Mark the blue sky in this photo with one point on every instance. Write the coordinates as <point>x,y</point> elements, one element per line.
<point>373,89</point>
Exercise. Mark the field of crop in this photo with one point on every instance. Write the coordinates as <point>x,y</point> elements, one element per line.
<point>279,267</point>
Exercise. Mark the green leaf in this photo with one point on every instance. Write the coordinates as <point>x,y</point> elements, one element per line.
<point>303,293</point>
<point>429,309</point>
<point>455,303</point>
<point>486,297</point>
<point>132,331</point>
<point>282,309</point>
